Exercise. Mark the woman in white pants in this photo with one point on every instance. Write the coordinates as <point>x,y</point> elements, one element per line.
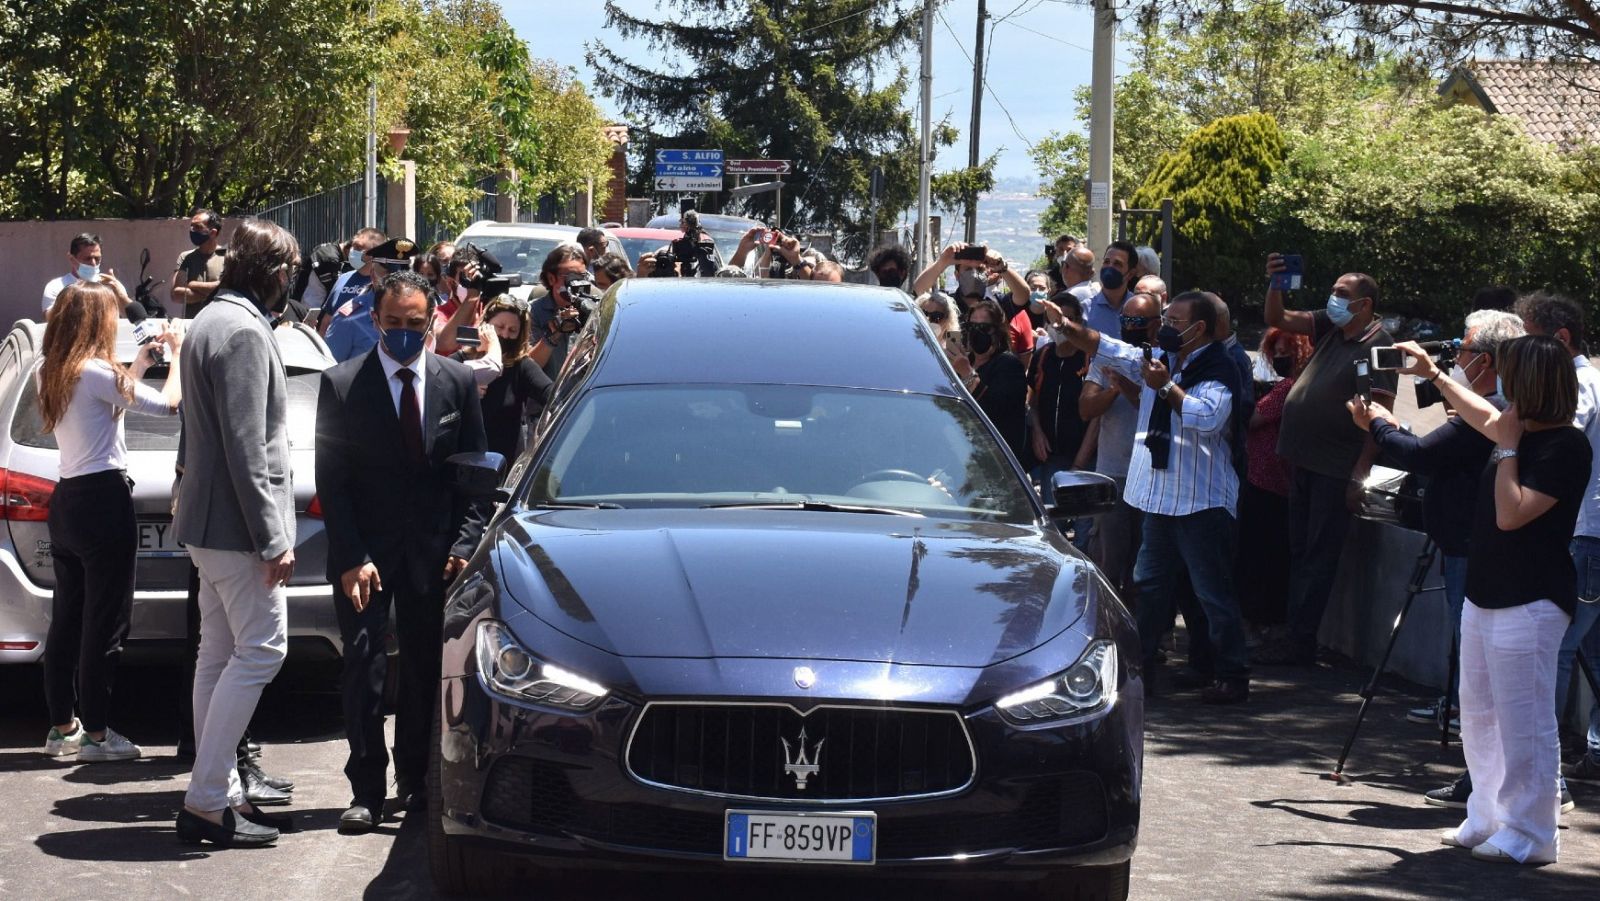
<point>1521,592</point>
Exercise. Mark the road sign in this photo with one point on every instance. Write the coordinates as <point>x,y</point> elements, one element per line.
<point>689,156</point>
<point>758,167</point>
<point>688,170</point>
<point>688,183</point>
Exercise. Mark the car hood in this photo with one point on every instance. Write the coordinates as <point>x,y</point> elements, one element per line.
<point>792,584</point>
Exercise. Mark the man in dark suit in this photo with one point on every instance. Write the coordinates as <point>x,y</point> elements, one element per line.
<point>397,534</point>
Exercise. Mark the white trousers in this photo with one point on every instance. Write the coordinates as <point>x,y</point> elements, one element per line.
<point>1508,728</point>
<point>244,636</point>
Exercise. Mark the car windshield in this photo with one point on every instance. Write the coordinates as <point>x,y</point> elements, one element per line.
<point>519,255</point>
<point>780,445</point>
<point>637,247</point>
<point>160,433</point>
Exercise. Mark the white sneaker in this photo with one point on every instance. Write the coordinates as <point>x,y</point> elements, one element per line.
<point>57,744</point>
<point>112,747</point>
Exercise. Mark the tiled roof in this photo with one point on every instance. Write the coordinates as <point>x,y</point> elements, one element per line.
<point>1556,102</point>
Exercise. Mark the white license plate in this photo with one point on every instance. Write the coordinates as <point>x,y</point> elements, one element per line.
<point>844,837</point>
<point>159,539</point>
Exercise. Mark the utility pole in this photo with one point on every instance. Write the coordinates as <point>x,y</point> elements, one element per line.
<point>925,157</point>
<point>977,116</point>
<point>370,187</point>
<point>1101,124</point>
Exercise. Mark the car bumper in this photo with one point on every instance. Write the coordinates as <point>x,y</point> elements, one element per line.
<point>158,618</point>
<point>555,787</point>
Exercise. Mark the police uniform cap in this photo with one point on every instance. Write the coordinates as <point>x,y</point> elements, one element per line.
<point>394,249</point>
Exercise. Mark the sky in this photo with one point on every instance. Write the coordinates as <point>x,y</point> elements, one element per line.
<point>1038,58</point>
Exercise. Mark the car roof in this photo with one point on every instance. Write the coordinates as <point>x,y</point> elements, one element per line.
<point>707,220</point>
<point>491,229</point>
<point>299,346</point>
<point>766,331</point>
<point>665,234</point>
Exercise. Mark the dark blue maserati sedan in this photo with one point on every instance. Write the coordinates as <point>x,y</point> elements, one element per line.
<point>768,594</point>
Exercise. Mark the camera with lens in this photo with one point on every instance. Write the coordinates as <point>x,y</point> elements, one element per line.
<point>490,283</point>
<point>666,264</point>
<point>1444,356</point>
<point>585,299</point>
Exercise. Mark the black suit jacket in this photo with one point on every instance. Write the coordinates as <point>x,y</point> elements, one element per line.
<point>377,506</point>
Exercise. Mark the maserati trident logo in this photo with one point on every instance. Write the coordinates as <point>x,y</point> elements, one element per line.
<point>805,676</point>
<point>799,764</point>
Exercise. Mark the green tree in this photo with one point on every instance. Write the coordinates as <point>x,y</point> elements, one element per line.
<point>1215,179</point>
<point>781,80</point>
<point>1434,203</point>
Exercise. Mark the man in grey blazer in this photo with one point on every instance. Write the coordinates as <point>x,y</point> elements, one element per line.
<point>234,510</point>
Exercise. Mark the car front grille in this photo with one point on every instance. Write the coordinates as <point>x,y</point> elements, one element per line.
<point>1052,812</point>
<point>770,752</point>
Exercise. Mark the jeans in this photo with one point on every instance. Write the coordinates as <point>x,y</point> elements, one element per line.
<point>1318,521</point>
<point>1455,595</point>
<point>1508,731</point>
<point>1203,544</point>
<point>93,540</point>
<point>1584,633</point>
<point>244,637</point>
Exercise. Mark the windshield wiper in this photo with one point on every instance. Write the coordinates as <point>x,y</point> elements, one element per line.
<point>574,505</point>
<point>813,506</point>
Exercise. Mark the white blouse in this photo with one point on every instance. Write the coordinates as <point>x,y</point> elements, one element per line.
<point>90,433</point>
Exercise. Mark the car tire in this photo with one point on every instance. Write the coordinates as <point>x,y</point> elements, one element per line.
<point>1107,883</point>
<point>458,867</point>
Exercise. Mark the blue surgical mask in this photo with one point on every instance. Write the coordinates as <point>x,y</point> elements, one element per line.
<point>1339,310</point>
<point>1037,297</point>
<point>357,259</point>
<point>86,272</point>
<point>403,344</point>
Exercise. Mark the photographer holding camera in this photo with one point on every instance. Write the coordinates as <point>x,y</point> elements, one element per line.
<point>696,251</point>
<point>561,312</point>
<point>1453,455</point>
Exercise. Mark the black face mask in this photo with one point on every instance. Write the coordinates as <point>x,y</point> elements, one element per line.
<point>1137,337</point>
<point>1169,339</point>
<point>1283,366</point>
<point>508,346</point>
<point>979,339</point>
<point>890,278</point>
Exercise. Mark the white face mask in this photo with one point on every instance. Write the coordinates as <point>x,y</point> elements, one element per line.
<point>1459,376</point>
<point>461,292</point>
<point>87,272</point>
<point>357,259</point>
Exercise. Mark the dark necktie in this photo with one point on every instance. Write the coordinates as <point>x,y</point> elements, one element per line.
<point>410,415</point>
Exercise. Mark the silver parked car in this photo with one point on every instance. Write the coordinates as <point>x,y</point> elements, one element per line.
<point>30,467</point>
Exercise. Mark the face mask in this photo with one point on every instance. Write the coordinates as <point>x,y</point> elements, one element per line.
<point>1283,366</point>
<point>1037,297</point>
<point>508,346</point>
<point>970,282</point>
<point>357,258</point>
<point>1339,310</point>
<point>403,344</point>
<point>1500,388</point>
<point>198,238</point>
<point>1135,337</point>
<point>1170,339</point>
<point>1111,277</point>
<point>979,339</point>
<point>890,278</point>
<point>461,292</point>
<point>87,273</point>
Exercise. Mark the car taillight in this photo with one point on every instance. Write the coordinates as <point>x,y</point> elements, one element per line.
<point>18,645</point>
<point>24,497</point>
<point>314,509</point>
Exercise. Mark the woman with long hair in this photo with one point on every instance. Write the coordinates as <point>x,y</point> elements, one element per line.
<point>83,392</point>
<point>523,388</point>
<point>1521,594</point>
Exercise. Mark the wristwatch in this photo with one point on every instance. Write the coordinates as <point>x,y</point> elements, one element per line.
<point>1502,453</point>
<point>1165,390</point>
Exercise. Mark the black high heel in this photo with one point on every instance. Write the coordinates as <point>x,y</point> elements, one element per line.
<point>234,832</point>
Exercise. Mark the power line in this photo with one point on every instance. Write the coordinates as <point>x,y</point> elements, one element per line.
<point>1001,103</point>
<point>1051,37</point>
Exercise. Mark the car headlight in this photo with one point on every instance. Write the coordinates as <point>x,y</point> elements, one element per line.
<point>509,669</point>
<point>1086,688</point>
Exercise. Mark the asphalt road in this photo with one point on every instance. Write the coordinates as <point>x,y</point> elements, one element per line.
<point>1234,808</point>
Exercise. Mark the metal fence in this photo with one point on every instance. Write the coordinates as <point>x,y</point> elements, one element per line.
<point>480,208</point>
<point>332,216</point>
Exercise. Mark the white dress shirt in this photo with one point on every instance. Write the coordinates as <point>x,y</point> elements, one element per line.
<point>1199,473</point>
<point>392,366</point>
<point>1588,419</point>
<point>90,434</point>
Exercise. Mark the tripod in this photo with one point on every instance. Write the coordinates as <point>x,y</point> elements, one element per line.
<point>1419,574</point>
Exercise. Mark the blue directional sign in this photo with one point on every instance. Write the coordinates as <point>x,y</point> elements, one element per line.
<point>700,164</point>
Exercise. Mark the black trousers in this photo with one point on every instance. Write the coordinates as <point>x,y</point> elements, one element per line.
<point>418,623</point>
<point>1318,521</point>
<point>93,539</point>
<point>1263,570</point>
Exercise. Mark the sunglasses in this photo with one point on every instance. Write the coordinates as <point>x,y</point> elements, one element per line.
<point>1135,321</point>
<point>936,315</point>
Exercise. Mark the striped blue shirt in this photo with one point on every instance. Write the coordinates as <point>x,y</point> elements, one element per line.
<point>1199,473</point>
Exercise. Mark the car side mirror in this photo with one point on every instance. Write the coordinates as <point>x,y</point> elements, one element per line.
<point>476,475</point>
<point>1075,493</point>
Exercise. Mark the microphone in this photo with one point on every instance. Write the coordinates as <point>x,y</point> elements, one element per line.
<point>134,312</point>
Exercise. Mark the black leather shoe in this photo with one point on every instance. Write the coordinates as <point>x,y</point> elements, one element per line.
<point>279,821</point>
<point>360,818</point>
<point>256,789</point>
<point>277,782</point>
<point>234,832</point>
<point>1227,691</point>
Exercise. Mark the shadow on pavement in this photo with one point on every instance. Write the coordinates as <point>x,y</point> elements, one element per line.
<point>1451,873</point>
<point>122,844</point>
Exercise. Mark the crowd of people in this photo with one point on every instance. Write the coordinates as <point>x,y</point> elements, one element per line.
<point>1078,366</point>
